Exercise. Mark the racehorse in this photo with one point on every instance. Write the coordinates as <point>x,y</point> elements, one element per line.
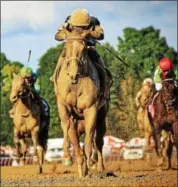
<point>165,117</point>
<point>78,98</point>
<point>28,122</point>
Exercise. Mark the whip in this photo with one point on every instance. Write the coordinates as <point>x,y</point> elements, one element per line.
<point>29,55</point>
<point>120,59</point>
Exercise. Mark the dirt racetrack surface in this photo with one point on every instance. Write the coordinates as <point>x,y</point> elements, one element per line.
<point>130,173</point>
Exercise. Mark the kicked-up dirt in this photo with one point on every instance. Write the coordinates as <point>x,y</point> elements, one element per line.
<point>130,173</point>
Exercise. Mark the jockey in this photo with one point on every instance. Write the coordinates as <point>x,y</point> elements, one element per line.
<point>141,101</point>
<point>144,93</point>
<point>31,80</point>
<point>165,69</point>
<point>81,20</point>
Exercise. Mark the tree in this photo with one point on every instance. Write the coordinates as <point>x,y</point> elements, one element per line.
<point>47,64</point>
<point>141,49</point>
<point>7,70</point>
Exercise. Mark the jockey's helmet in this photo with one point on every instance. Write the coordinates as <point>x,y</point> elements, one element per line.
<point>80,17</point>
<point>147,80</point>
<point>26,72</point>
<point>165,64</point>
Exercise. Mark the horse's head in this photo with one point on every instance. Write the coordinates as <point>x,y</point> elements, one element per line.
<point>169,92</point>
<point>17,87</point>
<point>75,57</point>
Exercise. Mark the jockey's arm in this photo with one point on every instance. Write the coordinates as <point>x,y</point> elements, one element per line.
<point>97,32</point>
<point>157,78</point>
<point>61,33</point>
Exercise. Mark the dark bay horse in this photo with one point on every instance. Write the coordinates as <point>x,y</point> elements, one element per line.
<point>28,121</point>
<point>165,118</point>
<point>78,98</point>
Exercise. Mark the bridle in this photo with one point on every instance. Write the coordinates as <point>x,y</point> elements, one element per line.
<point>82,61</point>
<point>22,96</point>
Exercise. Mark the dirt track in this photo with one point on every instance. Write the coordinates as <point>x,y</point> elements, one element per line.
<point>118,173</point>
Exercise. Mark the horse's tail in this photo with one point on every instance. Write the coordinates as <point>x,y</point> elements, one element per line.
<point>44,127</point>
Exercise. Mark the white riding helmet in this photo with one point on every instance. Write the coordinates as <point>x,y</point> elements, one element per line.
<point>147,80</point>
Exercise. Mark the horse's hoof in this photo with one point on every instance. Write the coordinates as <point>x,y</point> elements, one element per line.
<point>67,162</point>
<point>15,163</point>
<point>40,171</point>
<point>22,163</point>
<point>35,159</point>
<point>148,157</point>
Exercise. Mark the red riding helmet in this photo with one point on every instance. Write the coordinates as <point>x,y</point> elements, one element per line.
<point>165,64</point>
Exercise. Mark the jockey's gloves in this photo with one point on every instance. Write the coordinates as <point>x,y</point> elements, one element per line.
<point>158,86</point>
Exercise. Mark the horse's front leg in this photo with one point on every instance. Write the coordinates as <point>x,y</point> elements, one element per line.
<point>34,135</point>
<point>147,145</point>
<point>74,138</point>
<point>24,150</point>
<point>99,145</point>
<point>157,139</point>
<point>17,154</point>
<point>90,116</point>
<point>65,123</point>
<point>175,137</point>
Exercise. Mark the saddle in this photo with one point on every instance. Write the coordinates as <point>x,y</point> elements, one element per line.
<point>151,105</point>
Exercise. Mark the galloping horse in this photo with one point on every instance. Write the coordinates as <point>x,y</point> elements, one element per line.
<point>27,121</point>
<point>165,117</point>
<point>78,98</point>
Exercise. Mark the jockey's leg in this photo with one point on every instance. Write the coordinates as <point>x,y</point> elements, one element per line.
<point>65,124</point>
<point>17,143</point>
<point>61,58</point>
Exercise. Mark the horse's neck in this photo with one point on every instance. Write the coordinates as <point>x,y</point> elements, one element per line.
<point>93,73</point>
<point>24,103</point>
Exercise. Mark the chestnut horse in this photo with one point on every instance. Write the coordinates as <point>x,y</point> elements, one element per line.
<point>165,118</point>
<point>27,121</point>
<point>78,98</point>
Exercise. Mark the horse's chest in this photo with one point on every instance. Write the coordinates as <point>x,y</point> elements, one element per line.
<point>25,125</point>
<point>71,98</point>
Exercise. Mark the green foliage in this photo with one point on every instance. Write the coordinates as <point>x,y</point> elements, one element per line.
<point>7,70</point>
<point>142,49</point>
<point>47,64</point>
